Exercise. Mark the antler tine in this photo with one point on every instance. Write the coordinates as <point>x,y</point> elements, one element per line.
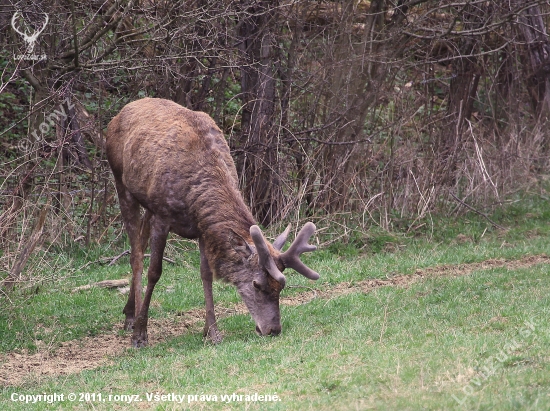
<point>281,239</point>
<point>291,257</point>
<point>264,256</point>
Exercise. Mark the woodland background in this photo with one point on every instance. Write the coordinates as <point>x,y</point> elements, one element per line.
<point>362,113</point>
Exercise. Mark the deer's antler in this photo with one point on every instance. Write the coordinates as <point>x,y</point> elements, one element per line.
<point>264,256</point>
<point>291,257</point>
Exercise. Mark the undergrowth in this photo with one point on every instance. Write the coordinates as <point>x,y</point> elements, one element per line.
<point>45,311</point>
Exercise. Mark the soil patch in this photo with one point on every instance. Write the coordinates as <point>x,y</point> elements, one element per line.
<point>92,352</point>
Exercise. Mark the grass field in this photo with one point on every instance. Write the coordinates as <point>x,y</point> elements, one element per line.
<point>453,318</point>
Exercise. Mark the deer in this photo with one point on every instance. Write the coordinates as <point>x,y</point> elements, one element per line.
<point>175,164</point>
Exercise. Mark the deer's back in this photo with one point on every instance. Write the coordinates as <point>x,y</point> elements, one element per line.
<point>168,156</point>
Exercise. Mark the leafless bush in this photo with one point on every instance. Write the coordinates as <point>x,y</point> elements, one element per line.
<point>376,108</point>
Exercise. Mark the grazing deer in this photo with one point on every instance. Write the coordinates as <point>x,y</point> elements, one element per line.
<point>175,163</point>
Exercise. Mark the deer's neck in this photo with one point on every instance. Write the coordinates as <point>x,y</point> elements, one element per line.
<point>220,219</point>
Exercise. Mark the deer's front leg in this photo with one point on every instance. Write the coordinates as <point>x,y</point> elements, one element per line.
<point>210,328</point>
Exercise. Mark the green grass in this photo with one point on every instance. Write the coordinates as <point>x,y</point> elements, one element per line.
<point>472,342</point>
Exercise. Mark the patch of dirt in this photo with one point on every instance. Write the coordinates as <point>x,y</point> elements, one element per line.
<point>91,352</point>
<point>83,354</point>
<point>449,270</point>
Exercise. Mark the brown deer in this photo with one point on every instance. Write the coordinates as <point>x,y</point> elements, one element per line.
<point>175,163</point>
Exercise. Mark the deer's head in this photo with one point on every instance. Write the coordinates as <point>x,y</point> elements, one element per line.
<point>264,263</point>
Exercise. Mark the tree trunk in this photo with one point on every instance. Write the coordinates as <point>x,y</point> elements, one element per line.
<point>259,166</point>
<point>532,29</point>
<point>78,140</point>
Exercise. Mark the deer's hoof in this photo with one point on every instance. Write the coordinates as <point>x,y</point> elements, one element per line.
<point>139,341</point>
<point>213,335</point>
<point>129,324</point>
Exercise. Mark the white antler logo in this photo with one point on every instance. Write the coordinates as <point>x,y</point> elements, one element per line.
<point>30,40</point>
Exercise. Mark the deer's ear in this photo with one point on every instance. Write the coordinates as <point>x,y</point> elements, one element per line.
<point>240,245</point>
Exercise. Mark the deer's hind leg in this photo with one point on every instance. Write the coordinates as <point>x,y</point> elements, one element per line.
<point>138,228</point>
<point>159,234</point>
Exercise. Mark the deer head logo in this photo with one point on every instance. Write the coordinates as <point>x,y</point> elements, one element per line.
<point>30,40</point>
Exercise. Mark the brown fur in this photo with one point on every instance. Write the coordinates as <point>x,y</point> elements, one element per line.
<point>176,164</point>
